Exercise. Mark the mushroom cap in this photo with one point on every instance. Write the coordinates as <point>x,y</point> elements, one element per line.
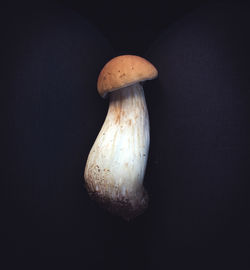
<point>124,70</point>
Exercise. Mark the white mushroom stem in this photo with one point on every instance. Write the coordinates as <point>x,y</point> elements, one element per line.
<point>116,163</point>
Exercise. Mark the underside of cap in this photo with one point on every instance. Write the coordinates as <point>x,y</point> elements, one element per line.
<point>123,71</point>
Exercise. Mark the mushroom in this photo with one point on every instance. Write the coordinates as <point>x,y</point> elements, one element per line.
<point>116,164</point>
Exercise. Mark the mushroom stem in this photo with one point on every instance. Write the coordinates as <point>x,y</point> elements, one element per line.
<point>116,163</point>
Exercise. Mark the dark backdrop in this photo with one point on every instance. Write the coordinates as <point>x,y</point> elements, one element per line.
<point>198,168</point>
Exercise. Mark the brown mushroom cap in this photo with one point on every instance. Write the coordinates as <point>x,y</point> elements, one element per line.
<point>123,71</point>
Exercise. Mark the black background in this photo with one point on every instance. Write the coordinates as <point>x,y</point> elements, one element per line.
<point>198,169</point>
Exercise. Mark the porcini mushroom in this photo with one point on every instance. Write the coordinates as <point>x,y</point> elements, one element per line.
<point>116,164</point>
